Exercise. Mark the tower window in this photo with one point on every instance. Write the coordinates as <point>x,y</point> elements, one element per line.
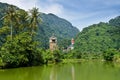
<point>53,40</point>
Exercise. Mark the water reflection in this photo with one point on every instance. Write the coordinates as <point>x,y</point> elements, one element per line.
<point>58,73</point>
<point>31,73</point>
<point>73,72</point>
<point>86,70</point>
<point>53,73</point>
<point>108,64</point>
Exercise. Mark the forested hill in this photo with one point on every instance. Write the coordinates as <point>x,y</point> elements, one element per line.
<point>97,38</point>
<point>61,28</point>
<point>58,25</point>
<point>51,24</point>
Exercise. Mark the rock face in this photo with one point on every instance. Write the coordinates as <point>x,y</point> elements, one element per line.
<point>51,24</point>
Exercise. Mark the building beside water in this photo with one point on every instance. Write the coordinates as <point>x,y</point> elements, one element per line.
<point>53,43</point>
<point>71,47</point>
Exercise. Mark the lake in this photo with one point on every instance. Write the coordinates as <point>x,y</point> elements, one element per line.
<point>88,70</point>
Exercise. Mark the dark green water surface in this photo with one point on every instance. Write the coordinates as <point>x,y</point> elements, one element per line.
<point>89,70</point>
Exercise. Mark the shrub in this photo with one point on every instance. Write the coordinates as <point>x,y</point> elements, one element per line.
<point>109,54</point>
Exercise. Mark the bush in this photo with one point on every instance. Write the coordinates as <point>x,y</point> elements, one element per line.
<point>51,56</point>
<point>109,54</point>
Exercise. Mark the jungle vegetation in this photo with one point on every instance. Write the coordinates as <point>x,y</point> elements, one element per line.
<point>24,38</point>
<point>100,38</point>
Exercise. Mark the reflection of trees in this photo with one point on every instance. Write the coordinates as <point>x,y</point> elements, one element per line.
<point>108,65</point>
<point>54,72</point>
<point>29,73</point>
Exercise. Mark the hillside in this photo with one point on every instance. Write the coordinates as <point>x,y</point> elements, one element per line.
<point>51,24</point>
<point>97,38</point>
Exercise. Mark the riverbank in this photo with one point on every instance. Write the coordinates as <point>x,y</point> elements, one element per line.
<point>85,60</point>
<point>65,61</point>
<point>72,60</point>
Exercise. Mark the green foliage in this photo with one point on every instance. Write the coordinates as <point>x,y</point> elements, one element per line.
<point>111,55</point>
<point>57,55</point>
<point>98,38</point>
<point>76,54</point>
<point>51,24</point>
<point>21,51</point>
<point>34,20</point>
<point>117,57</point>
<point>4,31</point>
<point>72,54</point>
<point>20,41</point>
<point>115,22</point>
<point>64,43</point>
<point>47,56</point>
<point>52,56</point>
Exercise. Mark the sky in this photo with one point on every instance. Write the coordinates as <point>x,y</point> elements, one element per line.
<point>81,13</point>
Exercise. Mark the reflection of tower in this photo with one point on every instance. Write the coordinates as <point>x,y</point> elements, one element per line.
<point>53,74</point>
<point>73,72</point>
<point>72,43</point>
<point>53,43</point>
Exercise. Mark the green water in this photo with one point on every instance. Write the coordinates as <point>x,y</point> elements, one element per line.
<point>92,70</point>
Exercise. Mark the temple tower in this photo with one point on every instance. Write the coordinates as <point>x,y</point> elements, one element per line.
<point>53,43</point>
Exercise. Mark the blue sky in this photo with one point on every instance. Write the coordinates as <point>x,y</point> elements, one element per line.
<point>81,13</point>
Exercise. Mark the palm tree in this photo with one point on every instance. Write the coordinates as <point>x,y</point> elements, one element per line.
<point>34,20</point>
<point>10,18</point>
<point>22,21</point>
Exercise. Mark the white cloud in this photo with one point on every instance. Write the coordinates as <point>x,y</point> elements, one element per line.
<point>80,15</point>
<point>47,7</point>
<point>52,8</point>
<point>10,1</point>
<point>24,4</point>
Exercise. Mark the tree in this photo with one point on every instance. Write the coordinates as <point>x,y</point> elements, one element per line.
<point>34,20</point>
<point>10,17</point>
<point>22,50</point>
<point>109,54</point>
<point>22,21</point>
<point>4,31</point>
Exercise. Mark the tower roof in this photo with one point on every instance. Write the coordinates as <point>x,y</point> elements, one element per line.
<point>53,39</point>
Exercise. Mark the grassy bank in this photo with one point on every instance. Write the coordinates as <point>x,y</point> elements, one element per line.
<point>84,60</point>
<point>77,60</point>
<point>71,60</point>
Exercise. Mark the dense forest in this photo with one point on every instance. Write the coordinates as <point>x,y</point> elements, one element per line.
<point>98,38</point>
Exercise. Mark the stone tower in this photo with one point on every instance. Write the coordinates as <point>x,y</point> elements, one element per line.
<point>53,43</point>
